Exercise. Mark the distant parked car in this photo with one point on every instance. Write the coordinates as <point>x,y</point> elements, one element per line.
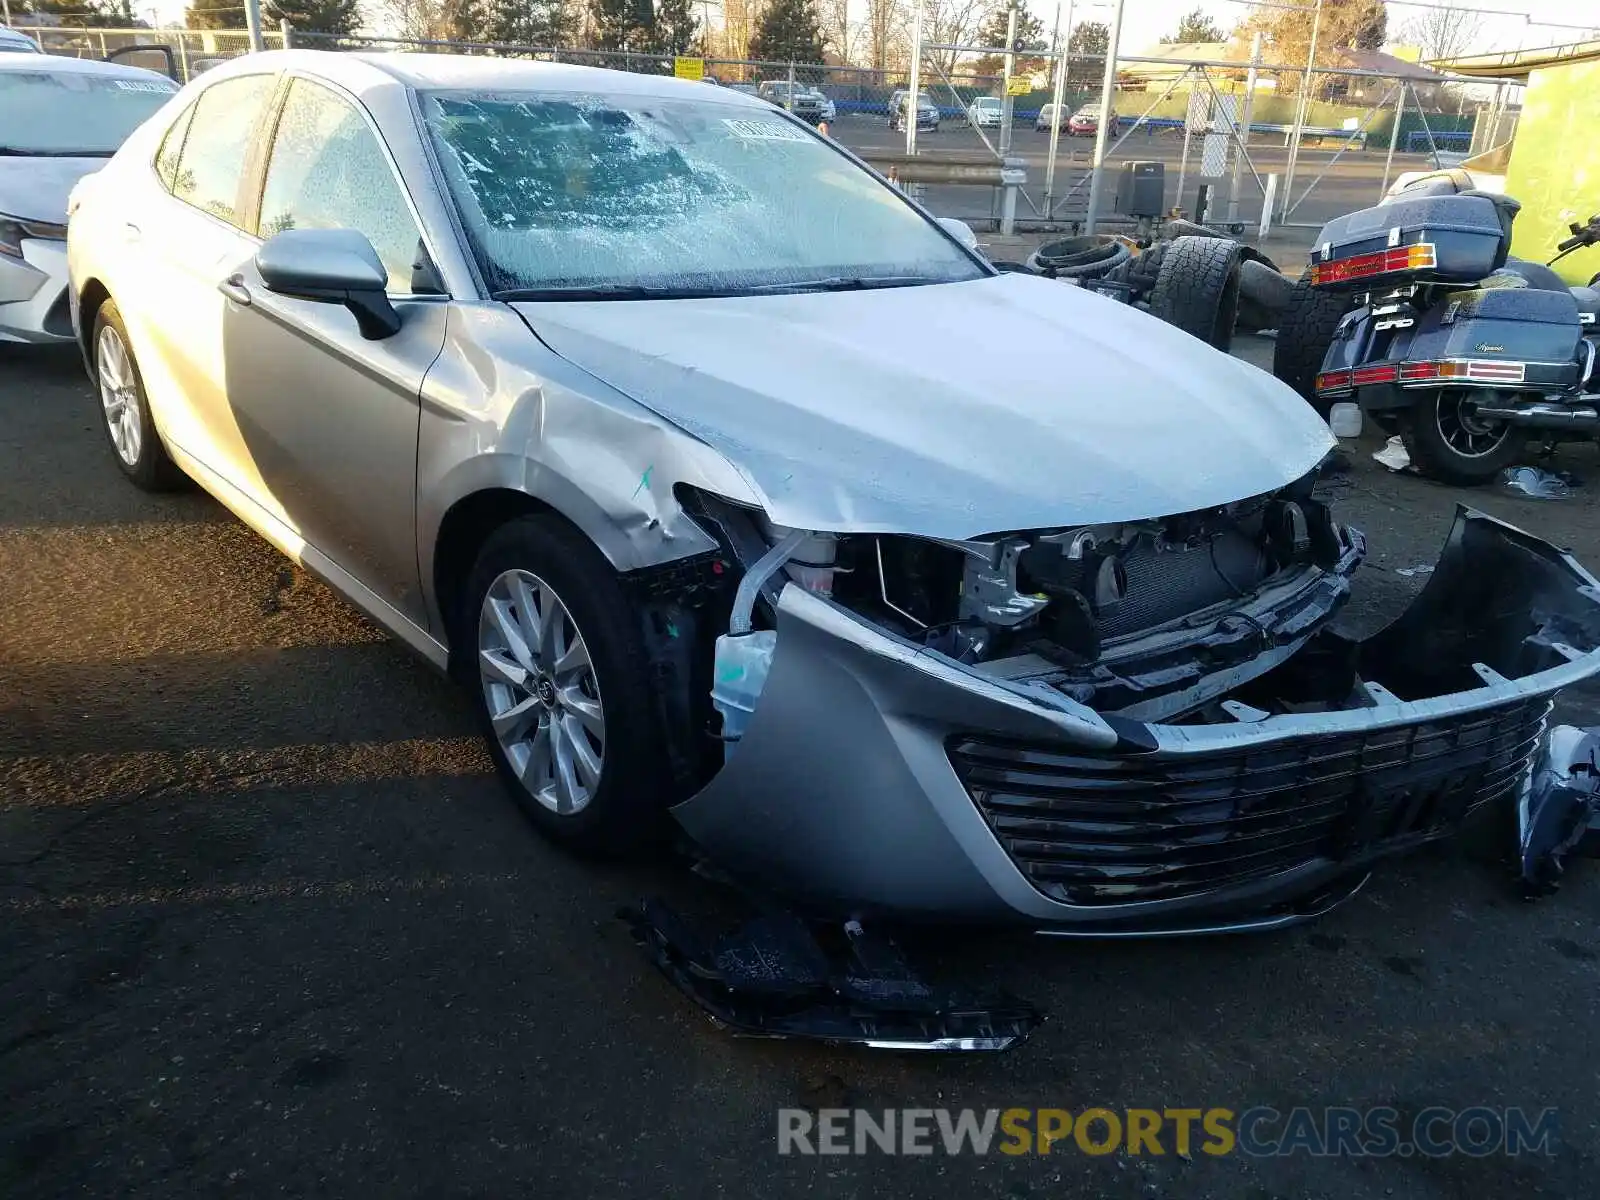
<point>60,119</point>
<point>744,89</point>
<point>987,111</point>
<point>1087,121</point>
<point>803,100</point>
<point>927,110</point>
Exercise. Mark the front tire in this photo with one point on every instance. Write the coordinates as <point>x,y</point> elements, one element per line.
<point>125,410</point>
<point>561,686</point>
<point>1447,441</point>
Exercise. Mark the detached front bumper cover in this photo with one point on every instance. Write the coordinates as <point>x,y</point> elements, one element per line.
<point>880,777</point>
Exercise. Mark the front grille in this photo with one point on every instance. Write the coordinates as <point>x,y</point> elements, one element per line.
<point>1110,829</point>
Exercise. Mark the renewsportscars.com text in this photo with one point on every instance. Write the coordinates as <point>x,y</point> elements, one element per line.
<point>1260,1131</point>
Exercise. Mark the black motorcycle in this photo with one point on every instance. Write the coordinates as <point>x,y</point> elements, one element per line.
<point>1459,348</point>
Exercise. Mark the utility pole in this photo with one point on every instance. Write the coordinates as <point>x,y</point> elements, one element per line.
<point>252,22</point>
<point>1300,114</point>
<point>1243,136</point>
<point>1108,83</point>
<point>909,116</point>
<point>1007,103</point>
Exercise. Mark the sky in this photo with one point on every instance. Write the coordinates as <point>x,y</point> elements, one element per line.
<point>1144,21</point>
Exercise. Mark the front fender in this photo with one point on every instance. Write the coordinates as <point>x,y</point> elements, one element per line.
<point>501,411</point>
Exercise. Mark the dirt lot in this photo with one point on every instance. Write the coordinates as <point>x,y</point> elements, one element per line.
<point>268,926</point>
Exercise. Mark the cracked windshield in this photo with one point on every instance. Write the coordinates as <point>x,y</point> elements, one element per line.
<point>645,196</point>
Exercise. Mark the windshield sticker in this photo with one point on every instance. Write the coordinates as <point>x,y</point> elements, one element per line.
<point>774,131</point>
<point>141,85</point>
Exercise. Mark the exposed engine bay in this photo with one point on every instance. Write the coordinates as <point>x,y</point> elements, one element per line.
<point>1148,619</point>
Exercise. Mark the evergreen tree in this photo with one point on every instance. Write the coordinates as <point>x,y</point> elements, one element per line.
<point>464,20</point>
<point>1196,26</point>
<point>789,31</point>
<point>1090,39</point>
<point>1030,36</point>
<point>529,22</point>
<point>677,28</point>
<point>315,16</point>
<point>623,24</point>
<point>214,14</point>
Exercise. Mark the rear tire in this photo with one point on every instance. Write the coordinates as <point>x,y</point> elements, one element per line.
<point>130,429</point>
<point>1449,443</point>
<point>1197,288</point>
<point>1305,331</point>
<point>576,739</point>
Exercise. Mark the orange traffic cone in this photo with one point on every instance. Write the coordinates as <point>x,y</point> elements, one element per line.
<point>822,128</point>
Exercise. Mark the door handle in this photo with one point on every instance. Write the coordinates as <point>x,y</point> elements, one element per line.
<point>234,289</point>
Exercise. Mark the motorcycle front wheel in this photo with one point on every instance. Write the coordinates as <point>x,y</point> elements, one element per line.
<point>1450,442</point>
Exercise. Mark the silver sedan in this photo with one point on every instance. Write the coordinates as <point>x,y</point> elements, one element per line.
<point>741,493</point>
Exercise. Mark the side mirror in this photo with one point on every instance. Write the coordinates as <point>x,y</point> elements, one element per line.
<point>960,230</point>
<point>335,266</point>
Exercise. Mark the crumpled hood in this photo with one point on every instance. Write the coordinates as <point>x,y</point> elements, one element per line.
<point>1006,403</point>
<point>37,188</point>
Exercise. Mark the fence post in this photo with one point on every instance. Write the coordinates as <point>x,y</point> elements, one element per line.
<point>1300,112</point>
<point>1242,137</point>
<point>183,56</point>
<point>1394,137</point>
<point>252,22</point>
<point>1107,85</point>
<point>910,117</point>
<point>1007,104</point>
<point>1058,95</point>
<point>1268,194</point>
<point>286,32</point>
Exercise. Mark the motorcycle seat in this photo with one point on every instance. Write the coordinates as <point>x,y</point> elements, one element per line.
<point>1536,274</point>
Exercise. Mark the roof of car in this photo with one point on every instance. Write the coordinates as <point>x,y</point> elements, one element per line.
<point>474,73</point>
<point>56,64</point>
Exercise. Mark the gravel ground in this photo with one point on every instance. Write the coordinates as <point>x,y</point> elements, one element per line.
<point>271,929</point>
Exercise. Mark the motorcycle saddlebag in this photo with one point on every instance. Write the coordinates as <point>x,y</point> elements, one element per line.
<point>1488,326</point>
<point>1422,239</point>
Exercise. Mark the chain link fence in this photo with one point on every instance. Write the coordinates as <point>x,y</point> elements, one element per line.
<point>1248,144</point>
<point>180,53</point>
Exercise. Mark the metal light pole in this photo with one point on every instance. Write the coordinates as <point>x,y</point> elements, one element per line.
<point>1300,114</point>
<point>1057,98</point>
<point>1243,138</point>
<point>910,115</point>
<point>1108,83</point>
<point>252,22</point>
<point>1007,103</point>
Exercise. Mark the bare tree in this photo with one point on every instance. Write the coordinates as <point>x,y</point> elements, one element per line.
<point>838,30</point>
<point>951,23</point>
<point>738,26</point>
<point>885,31</point>
<point>420,19</point>
<point>1443,33</point>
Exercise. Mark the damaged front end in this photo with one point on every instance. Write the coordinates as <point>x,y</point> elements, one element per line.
<point>1150,727</point>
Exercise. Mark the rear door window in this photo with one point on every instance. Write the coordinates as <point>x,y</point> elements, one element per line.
<point>212,162</point>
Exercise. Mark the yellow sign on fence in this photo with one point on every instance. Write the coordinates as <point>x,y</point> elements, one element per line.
<point>689,68</point>
<point>1019,85</point>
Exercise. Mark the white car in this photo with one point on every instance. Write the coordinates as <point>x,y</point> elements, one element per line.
<point>63,117</point>
<point>12,40</point>
<point>987,111</point>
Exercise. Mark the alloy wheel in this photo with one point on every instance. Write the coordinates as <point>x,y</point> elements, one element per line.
<point>1463,430</point>
<point>119,395</point>
<point>540,690</point>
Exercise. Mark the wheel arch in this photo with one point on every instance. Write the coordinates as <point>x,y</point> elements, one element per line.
<point>91,296</point>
